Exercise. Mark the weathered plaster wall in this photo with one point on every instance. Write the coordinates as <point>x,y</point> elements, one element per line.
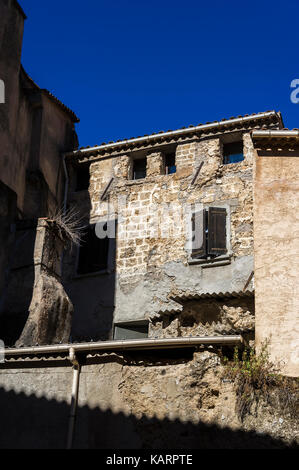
<point>276,219</point>
<point>33,165</point>
<point>57,137</point>
<point>161,400</point>
<point>27,397</point>
<point>33,130</point>
<point>152,261</point>
<point>11,36</point>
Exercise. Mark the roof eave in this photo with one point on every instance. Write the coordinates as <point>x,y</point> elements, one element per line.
<point>282,133</point>
<point>180,132</point>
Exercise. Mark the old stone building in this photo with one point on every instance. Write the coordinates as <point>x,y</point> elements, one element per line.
<point>178,259</point>
<point>125,335</point>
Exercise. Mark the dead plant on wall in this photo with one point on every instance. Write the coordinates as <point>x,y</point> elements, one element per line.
<point>257,379</point>
<point>69,225</point>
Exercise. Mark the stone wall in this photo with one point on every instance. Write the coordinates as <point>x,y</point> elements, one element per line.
<point>153,260</point>
<point>156,400</point>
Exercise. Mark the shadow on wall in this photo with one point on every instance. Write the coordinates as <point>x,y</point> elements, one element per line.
<point>89,274</point>
<point>29,422</point>
<point>16,296</point>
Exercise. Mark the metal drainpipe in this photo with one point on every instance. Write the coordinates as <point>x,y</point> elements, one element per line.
<point>74,401</point>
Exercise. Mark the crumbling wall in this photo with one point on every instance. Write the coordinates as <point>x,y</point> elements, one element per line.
<point>207,318</point>
<point>153,261</point>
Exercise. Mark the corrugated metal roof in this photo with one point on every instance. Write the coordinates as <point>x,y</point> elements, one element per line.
<point>213,296</point>
<point>51,97</point>
<point>36,358</point>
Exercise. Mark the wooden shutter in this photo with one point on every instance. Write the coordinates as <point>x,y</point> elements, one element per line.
<point>217,231</point>
<point>199,241</point>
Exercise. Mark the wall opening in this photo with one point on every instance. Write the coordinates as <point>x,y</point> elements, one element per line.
<point>233,152</point>
<point>93,254</point>
<point>139,168</point>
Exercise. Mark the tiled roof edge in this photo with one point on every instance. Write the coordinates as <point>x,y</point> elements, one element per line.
<point>214,295</point>
<point>182,131</point>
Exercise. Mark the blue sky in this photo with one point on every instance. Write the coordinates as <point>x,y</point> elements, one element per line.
<point>131,68</point>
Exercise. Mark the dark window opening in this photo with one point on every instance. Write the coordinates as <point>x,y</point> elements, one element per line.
<point>93,253</point>
<point>170,164</point>
<point>133,330</point>
<point>233,153</point>
<point>139,168</point>
<point>83,178</point>
<point>209,233</point>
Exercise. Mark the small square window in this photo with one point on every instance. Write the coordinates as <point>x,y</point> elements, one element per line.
<point>93,253</point>
<point>139,168</point>
<point>233,153</point>
<point>170,164</point>
<point>83,178</point>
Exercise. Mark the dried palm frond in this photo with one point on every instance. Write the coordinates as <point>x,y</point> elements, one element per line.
<point>70,225</point>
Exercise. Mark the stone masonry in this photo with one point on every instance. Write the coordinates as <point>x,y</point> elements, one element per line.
<point>152,261</point>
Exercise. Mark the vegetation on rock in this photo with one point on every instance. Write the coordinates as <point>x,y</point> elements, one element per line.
<point>257,380</point>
